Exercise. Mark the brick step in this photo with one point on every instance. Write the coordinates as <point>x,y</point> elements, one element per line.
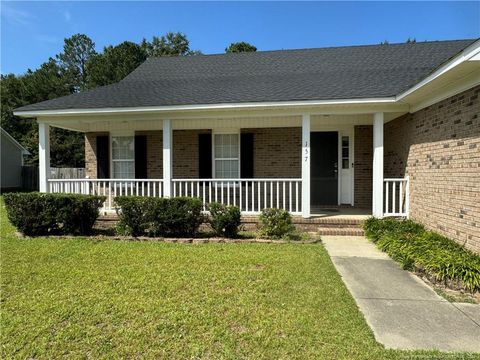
<point>339,226</point>
<point>340,231</point>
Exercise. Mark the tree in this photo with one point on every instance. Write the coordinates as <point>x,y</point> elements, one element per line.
<point>114,63</point>
<point>47,82</point>
<point>411,41</point>
<point>239,47</point>
<point>77,50</point>
<point>170,44</point>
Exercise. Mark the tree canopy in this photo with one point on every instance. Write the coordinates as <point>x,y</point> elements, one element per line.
<point>77,68</point>
<point>239,47</point>
<point>77,51</point>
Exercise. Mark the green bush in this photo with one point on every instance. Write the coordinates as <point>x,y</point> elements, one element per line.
<point>415,248</point>
<point>133,220</point>
<point>276,224</point>
<point>224,220</point>
<point>37,213</point>
<point>171,217</point>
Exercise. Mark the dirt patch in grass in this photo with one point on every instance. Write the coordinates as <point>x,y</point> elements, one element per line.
<point>449,292</point>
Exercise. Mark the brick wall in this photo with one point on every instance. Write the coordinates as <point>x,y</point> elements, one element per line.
<point>154,153</point>
<point>439,148</point>
<point>185,153</point>
<point>277,152</point>
<point>363,154</point>
<point>91,154</point>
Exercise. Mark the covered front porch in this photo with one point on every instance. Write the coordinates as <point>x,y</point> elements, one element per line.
<point>310,164</point>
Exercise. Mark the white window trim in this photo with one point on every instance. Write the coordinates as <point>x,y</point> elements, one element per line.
<point>226,132</point>
<point>120,134</point>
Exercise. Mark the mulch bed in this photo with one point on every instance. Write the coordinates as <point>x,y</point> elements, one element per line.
<point>193,240</point>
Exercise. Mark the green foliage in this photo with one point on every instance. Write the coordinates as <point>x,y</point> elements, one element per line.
<point>114,63</point>
<point>171,217</point>
<point>77,50</point>
<point>48,82</point>
<point>36,214</point>
<point>239,47</point>
<point>276,224</point>
<point>416,248</point>
<point>170,44</point>
<point>224,220</point>
<point>133,220</point>
<point>76,68</point>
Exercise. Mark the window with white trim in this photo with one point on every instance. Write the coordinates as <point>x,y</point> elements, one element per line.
<point>123,157</point>
<point>226,156</point>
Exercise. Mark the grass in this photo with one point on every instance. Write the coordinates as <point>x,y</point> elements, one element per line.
<point>79,298</point>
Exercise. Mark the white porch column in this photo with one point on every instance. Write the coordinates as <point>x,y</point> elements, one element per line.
<point>306,165</point>
<point>167,158</point>
<point>377,183</point>
<point>44,156</point>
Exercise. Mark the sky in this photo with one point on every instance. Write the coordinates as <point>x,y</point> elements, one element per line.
<point>31,32</point>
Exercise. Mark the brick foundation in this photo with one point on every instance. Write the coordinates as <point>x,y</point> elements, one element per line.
<point>439,148</point>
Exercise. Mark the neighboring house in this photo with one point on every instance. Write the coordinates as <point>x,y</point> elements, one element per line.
<point>11,157</point>
<point>394,129</point>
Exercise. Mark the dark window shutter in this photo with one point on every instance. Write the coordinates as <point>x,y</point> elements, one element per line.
<point>246,156</point>
<point>140,156</point>
<point>205,156</point>
<point>103,157</point>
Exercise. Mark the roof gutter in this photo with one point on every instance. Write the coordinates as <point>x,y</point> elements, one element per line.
<point>222,106</point>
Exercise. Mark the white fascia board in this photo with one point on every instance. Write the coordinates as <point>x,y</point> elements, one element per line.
<point>469,52</point>
<point>225,106</point>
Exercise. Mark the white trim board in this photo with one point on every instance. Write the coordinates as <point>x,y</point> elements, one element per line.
<point>246,105</point>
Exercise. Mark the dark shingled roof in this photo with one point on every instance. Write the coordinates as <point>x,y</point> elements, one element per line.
<point>369,71</point>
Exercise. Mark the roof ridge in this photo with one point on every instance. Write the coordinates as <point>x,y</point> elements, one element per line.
<point>253,53</point>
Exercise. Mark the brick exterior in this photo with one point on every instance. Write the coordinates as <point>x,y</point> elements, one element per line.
<point>363,154</point>
<point>277,152</point>
<point>154,153</point>
<point>439,148</point>
<point>185,153</point>
<point>91,154</point>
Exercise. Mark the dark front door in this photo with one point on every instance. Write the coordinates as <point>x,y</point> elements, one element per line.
<point>324,168</point>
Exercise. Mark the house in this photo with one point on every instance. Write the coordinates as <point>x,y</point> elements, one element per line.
<point>12,156</point>
<point>384,129</point>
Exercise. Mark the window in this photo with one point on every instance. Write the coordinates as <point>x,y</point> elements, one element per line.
<point>123,157</point>
<point>345,152</point>
<point>226,156</point>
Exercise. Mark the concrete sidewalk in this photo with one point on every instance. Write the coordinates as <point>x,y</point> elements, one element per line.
<point>403,312</point>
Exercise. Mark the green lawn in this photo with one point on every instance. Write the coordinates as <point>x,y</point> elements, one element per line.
<point>80,298</point>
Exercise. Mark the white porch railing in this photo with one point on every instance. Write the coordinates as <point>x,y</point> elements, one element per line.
<point>250,195</point>
<point>108,187</point>
<point>396,197</point>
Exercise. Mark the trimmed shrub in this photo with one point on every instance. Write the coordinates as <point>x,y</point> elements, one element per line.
<point>37,213</point>
<point>224,220</point>
<point>276,224</point>
<point>133,220</point>
<point>170,217</point>
<point>415,248</point>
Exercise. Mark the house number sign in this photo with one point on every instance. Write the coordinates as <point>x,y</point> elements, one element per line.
<point>306,151</point>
